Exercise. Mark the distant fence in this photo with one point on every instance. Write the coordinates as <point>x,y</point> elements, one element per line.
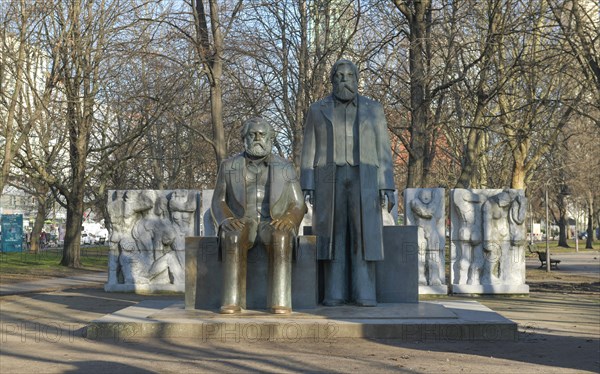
<point>49,252</point>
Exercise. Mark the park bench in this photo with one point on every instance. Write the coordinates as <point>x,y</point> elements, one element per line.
<point>553,262</point>
<point>542,256</point>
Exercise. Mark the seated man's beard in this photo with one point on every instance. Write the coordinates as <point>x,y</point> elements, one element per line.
<point>257,149</point>
<point>344,91</point>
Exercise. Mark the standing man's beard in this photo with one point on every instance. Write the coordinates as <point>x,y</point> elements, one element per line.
<point>257,149</point>
<point>344,91</point>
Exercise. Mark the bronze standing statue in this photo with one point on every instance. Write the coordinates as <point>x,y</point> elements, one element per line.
<point>346,173</point>
<point>257,201</point>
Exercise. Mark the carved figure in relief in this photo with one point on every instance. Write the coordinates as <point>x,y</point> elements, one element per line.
<point>470,262</point>
<point>133,263</point>
<point>130,262</point>
<point>424,209</point>
<point>146,231</point>
<point>516,260</point>
<point>182,205</point>
<point>496,237</point>
<point>155,237</point>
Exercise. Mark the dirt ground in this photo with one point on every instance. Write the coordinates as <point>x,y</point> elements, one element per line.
<point>7,277</point>
<point>559,332</point>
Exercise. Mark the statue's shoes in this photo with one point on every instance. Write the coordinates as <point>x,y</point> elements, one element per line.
<point>230,309</point>
<point>281,310</point>
<point>333,302</point>
<point>365,302</point>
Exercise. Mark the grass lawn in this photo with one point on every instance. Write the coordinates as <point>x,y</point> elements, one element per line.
<point>554,248</point>
<point>23,266</point>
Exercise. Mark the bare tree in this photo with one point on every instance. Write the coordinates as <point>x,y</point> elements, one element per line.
<point>41,157</point>
<point>579,21</point>
<point>25,90</point>
<point>418,15</point>
<point>282,59</point>
<point>435,67</point>
<point>77,36</point>
<point>477,94</point>
<point>583,160</point>
<point>523,96</point>
<point>539,97</point>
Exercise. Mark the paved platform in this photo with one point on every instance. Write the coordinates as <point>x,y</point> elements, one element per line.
<point>439,320</point>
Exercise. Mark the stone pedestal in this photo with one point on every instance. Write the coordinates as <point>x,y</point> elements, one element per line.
<point>425,322</point>
<point>489,289</point>
<point>203,269</point>
<point>441,289</point>
<point>397,275</point>
<point>204,272</point>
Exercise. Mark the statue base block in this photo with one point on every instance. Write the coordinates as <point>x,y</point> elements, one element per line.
<point>428,321</point>
<point>204,273</point>
<point>398,274</point>
<point>441,289</point>
<point>142,288</point>
<point>491,289</point>
<point>396,282</point>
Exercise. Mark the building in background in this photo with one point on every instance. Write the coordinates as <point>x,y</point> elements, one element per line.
<point>16,201</point>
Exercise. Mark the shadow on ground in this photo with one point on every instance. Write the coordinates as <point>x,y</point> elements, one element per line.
<point>43,332</point>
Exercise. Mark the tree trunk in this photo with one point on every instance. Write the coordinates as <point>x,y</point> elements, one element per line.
<point>419,96</point>
<point>80,118</point>
<point>38,225</point>
<point>468,175</point>
<point>216,91</point>
<point>216,105</point>
<point>212,57</point>
<point>75,194</point>
<point>562,220</point>
<point>301,93</point>
<point>590,225</point>
<point>72,246</point>
<point>518,172</point>
<point>562,231</point>
<point>12,145</point>
<point>473,155</point>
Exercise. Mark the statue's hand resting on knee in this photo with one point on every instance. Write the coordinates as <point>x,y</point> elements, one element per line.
<point>284,224</point>
<point>233,224</point>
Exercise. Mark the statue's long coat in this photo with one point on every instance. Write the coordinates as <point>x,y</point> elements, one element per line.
<point>318,172</point>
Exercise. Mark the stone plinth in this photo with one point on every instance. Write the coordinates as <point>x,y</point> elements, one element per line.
<point>397,275</point>
<point>441,289</point>
<point>204,274</point>
<point>490,289</point>
<point>431,321</point>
